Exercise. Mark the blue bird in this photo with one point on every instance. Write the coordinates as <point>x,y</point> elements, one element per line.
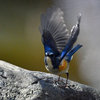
<point>58,43</point>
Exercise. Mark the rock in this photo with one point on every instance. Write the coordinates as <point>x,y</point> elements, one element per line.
<point>20,84</point>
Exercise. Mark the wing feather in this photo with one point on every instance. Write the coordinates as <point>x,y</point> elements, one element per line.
<point>53,29</point>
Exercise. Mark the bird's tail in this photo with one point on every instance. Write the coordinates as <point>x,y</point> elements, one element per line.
<point>72,51</point>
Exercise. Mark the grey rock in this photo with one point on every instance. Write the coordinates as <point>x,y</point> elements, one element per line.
<point>20,84</point>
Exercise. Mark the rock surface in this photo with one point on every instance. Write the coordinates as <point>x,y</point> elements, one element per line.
<point>20,84</point>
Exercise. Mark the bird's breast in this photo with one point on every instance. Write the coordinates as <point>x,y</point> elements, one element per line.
<point>62,68</point>
<point>49,66</point>
<point>63,65</point>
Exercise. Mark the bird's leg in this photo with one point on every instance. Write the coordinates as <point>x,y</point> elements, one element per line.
<point>59,77</point>
<point>67,77</point>
<point>66,80</point>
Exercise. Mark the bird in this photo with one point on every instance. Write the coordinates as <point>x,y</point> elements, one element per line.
<point>58,41</point>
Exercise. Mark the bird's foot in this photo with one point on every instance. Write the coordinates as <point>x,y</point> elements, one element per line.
<point>63,86</point>
<point>55,81</point>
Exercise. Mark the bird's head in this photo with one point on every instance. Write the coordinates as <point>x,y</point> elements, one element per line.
<point>51,60</point>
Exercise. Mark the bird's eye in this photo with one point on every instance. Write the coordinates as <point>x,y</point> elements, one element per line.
<point>46,54</point>
<point>51,54</point>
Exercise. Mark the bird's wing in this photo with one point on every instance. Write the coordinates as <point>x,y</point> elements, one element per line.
<point>74,34</point>
<point>54,31</point>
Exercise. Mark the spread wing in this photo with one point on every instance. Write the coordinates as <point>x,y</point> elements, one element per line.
<point>53,30</point>
<point>74,35</point>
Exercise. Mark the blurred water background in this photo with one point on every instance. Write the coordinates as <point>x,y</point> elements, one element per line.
<point>20,39</point>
